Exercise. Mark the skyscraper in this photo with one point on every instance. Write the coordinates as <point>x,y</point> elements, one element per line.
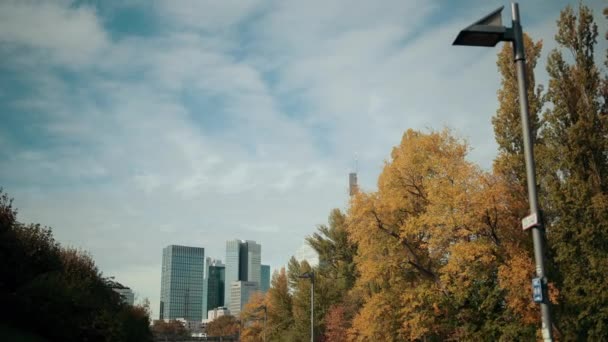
<point>213,292</point>
<point>353,187</point>
<point>241,291</point>
<point>243,263</point>
<point>265,281</point>
<point>182,283</point>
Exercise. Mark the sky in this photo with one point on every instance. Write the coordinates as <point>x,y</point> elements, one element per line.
<point>131,125</point>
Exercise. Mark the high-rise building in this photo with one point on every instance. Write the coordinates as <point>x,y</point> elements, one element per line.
<point>353,187</point>
<point>182,283</point>
<point>126,294</point>
<point>265,281</point>
<point>240,292</point>
<point>213,288</point>
<point>217,313</point>
<point>243,263</point>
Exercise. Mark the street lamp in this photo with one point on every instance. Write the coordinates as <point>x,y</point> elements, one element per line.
<point>311,276</point>
<point>488,32</point>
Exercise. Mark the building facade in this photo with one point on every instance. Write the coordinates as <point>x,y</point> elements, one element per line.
<point>265,278</point>
<point>217,313</point>
<point>213,287</point>
<point>126,294</point>
<point>240,292</point>
<point>182,283</point>
<point>243,263</point>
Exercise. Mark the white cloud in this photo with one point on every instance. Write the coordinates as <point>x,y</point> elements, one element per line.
<point>139,167</point>
<point>70,36</point>
<point>208,15</point>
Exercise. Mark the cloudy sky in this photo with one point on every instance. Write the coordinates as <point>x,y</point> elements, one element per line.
<point>131,125</point>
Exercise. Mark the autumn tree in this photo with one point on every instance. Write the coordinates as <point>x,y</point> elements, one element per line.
<point>254,317</point>
<point>576,135</point>
<point>226,325</point>
<point>279,305</point>
<point>430,244</point>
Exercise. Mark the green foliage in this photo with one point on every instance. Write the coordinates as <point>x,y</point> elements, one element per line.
<point>336,254</point>
<point>280,303</point>
<point>58,293</point>
<point>576,136</point>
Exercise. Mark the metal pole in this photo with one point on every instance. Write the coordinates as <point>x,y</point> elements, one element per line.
<point>537,231</point>
<point>312,307</point>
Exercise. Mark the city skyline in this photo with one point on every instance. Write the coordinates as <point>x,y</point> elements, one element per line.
<point>189,279</point>
<point>128,126</point>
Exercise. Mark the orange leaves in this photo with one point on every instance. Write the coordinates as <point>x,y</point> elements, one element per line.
<point>514,277</point>
<point>430,244</point>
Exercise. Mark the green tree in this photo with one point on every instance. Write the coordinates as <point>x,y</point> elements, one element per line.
<point>507,121</point>
<point>336,273</point>
<point>336,253</point>
<point>58,293</point>
<point>517,266</point>
<point>279,303</point>
<point>576,136</point>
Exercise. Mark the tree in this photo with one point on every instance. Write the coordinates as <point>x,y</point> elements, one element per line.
<point>431,242</point>
<point>576,135</point>
<point>169,329</point>
<point>507,121</point>
<point>336,273</point>
<point>253,317</point>
<point>61,289</point>
<point>279,304</point>
<point>510,178</point>
<point>336,252</point>
<point>301,301</point>
<point>223,326</point>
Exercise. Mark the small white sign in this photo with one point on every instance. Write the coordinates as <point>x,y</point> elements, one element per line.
<point>529,221</point>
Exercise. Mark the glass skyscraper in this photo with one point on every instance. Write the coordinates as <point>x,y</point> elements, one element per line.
<point>213,293</point>
<point>182,283</point>
<point>265,278</point>
<point>243,263</point>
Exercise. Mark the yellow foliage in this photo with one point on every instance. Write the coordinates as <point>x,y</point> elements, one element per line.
<point>438,229</point>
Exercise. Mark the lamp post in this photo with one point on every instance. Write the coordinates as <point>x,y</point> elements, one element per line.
<point>311,276</point>
<point>488,32</point>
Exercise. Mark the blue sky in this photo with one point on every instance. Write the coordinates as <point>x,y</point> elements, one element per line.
<point>131,125</point>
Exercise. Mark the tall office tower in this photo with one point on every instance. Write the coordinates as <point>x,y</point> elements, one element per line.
<point>352,183</point>
<point>181,290</point>
<point>243,261</point>
<point>265,275</point>
<point>241,291</point>
<point>213,287</point>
